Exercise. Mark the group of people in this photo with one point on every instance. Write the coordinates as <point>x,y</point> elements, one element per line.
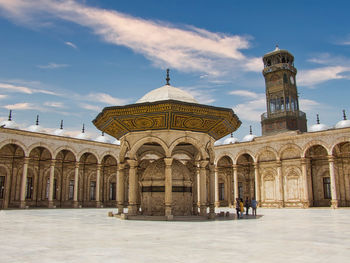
<point>247,204</point>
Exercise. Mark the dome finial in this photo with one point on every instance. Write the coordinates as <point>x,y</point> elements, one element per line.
<point>37,120</point>
<point>167,77</point>
<point>10,116</point>
<point>103,133</point>
<point>83,129</point>
<point>277,47</point>
<point>231,134</point>
<point>250,130</point>
<point>317,119</point>
<point>61,126</point>
<point>344,115</point>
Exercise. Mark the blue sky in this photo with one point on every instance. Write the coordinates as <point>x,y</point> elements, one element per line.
<point>69,59</point>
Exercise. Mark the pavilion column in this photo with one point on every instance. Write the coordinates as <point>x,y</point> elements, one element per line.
<point>235,182</point>
<point>306,201</point>
<point>212,184</point>
<point>24,183</point>
<point>133,181</point>
<point>168,198</point>
<point>76,185</point>
<point>98,185</point>
<point>280,194</point>
<point>120,188</point>
<point>335,201</point>
<point>198,185</point>
<point>203,187</point>
<point>51,180</point>
<point>257,182</point>
<point>216,175</point>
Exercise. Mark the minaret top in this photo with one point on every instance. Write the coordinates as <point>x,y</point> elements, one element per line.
<point>167,77</point>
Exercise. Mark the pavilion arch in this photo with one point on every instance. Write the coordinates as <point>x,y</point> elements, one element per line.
<point>143,141</point>
<point>186,139</point>
<point>151,152</point>
<point>223,154</point>
<point>16,142</point>
<point>89,151</point>
<point>242,152</point>
<point>107,153</point>
<point>284,154</point>
<point>124,148</point>
<point>339,141</point>
<point>66,147</point>
<point>265,150</point>
<point>43,145</point>
<point>314,143</point>
<point>210,149</point>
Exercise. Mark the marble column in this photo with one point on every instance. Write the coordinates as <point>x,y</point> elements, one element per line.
<point>24,182</point>
<point>133,186</point>
<point>195,191</point>
<point>305,198</point>
<point>76,185</point>
<point>280,192</point>
<point>257,182</point>
<point>98,185</point>
<point>168,198</point>
<point>216,171</point>
<point>203,187</point>
<point>198,184</point>
<point>235,182</point>
<point>212,172</point>
<point>335,201</point>
<point>52,179</point>
<point>120,188</point>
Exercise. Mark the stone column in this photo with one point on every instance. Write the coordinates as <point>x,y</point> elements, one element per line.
<point>305,198</point>
<point>257,182</point>
<point>198,184</point>
<point>216,171</point>
<point>195,192</point>
<point>120,188</point>
<point>280,194</point>
<point>52,179</point>
<point>24,182</point>
<point>98,183</point>
<point>168,198</point>
<point>133,185</point>
<point>334,202</point>
<point>76,185</point>
<point>235,182</point>
<point>203,188</point>
<point>213,190</point>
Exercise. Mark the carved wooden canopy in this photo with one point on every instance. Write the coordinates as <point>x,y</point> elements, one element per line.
<point>167,115</point>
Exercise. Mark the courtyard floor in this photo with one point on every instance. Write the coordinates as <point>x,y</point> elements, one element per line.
<point>89,235</point>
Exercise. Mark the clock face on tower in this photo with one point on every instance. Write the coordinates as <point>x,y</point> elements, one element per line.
<point>292,80</point>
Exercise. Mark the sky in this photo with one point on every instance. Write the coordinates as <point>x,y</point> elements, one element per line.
<point>69,59</point>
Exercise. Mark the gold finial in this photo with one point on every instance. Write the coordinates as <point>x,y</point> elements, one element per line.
<point>167,77</point>
<point>317,119</point>
<point>10,116</point>
<point>37,120</point>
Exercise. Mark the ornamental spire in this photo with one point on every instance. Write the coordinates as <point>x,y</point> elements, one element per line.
<point>61,126</point>
<point>250,130</point>
<point>37,120</point>
<point>10,116</point>
<point>344,115</point>
<point>167,77</point>
<point>317,119</point>
<point>83,129</point>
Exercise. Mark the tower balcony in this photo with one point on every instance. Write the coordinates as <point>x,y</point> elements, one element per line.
<point>279,114</point>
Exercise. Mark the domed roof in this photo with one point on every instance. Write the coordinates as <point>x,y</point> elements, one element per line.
<point>167,92</point>
<point>318,126</point>
<point>217,143</point>
<point>343,123</point>
<point>230,140</point>
<point>36,127</point>
<point>9,123</point>
<point>116,142</point>
<point>60,131</point>
<point>102,138</point>
<point>82,135</point>
<point>249,137</point>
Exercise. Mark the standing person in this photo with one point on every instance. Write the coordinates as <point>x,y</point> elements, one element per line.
<point>238,208</point>
<point>247,205</point>
<point>254,205</point>
<point>241,206</point>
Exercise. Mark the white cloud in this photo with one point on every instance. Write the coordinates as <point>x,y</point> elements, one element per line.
<point>3,96</point>
<point>186,49</point>
<point>53,65</point>
<point>316,76</point>
<point>54,104</point>
<point>106,99</point>
<point>71,44</point>
<point>245,93</point>
<point>250,110</point>
<point>307,105</point>
<point>21,106</point>
<point>90,107</point>
<point>22,89</point>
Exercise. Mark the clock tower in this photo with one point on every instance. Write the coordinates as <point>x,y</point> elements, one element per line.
<point>282,102</point>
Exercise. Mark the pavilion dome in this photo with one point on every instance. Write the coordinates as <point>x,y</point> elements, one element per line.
<point>249,137</point>
<point>102,138</point>
<point>167,92</point>
<point>9,123</point>
<point>318,126</point>
<point>59,132</point>
<point>230,140</point>
<point>36,127</point>
<point>343,123</point>
<point>83,135</point>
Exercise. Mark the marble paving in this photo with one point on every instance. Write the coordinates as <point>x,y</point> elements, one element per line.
<point>89,235</point>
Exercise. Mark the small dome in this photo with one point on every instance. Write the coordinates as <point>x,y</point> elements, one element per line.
<point>167,92</point>
<point>217,143</point>
<point>116,142</point>
<point>318,126</point>
<point>230,140</point>
<point>102,138</point>
<point>35,128</point>
<point>9,124</point>
<point>343,124</point>
<point>249,137</point>
<point>59,132</point>
<point>83,135</point>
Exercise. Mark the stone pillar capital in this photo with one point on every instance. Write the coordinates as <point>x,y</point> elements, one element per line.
<point>77,164</point>
<point>132,163</point>
<point>203,163</point>
<point>235,167</point>
<point>168,161</point>
<point>212,167</point>
<point>121,166</point>
<point>304,160</point>
<point>278,162</point>
<point>256,165</point>
<point>99,166</point>
<point>330,158</point>
<point>53,162</point>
